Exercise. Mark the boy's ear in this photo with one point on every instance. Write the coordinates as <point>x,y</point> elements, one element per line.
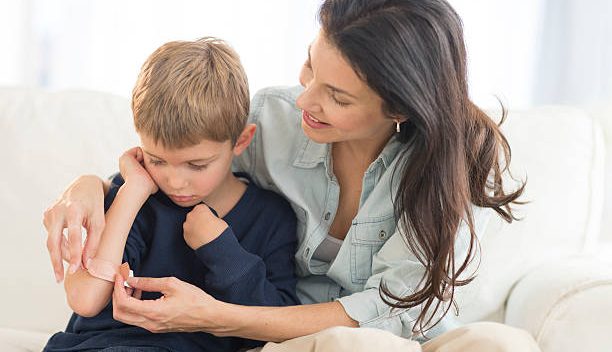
<point>244,139</point>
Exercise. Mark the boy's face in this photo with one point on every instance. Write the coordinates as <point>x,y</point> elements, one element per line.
<point>188,175</point>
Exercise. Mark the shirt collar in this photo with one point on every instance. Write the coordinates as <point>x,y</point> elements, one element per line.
<point>310,154</point>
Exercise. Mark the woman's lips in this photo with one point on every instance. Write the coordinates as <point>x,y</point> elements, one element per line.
<point>313,122</point>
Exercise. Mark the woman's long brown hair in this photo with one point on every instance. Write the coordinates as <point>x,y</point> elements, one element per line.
<point>412,54</point>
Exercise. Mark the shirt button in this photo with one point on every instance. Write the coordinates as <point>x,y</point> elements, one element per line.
<point>307,251</point>
<point>327,215</point>
<point>382,234</point>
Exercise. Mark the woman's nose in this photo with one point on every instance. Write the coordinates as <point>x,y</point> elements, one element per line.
<point>308,100</point>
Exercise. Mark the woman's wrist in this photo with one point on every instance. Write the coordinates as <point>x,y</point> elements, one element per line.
<point>277,324</point>
<point>229,319</point>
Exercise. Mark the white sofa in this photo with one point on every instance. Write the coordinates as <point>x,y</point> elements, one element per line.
<point>543,274</point>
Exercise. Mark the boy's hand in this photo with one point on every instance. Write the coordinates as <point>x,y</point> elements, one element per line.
<point>131,166</point>
<point>202,227</point>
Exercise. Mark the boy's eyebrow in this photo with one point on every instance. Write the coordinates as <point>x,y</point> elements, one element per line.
<point>188,161</point>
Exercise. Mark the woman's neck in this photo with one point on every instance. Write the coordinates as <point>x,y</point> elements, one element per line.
<point>360,152</point>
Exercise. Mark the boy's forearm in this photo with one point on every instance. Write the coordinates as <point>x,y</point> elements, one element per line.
<point>88,295</point>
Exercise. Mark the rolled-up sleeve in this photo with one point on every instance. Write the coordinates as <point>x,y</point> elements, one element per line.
<point>396,265</point>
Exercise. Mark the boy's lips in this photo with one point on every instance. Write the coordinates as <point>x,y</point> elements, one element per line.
<point>313,122</point>
<point>181,199</point>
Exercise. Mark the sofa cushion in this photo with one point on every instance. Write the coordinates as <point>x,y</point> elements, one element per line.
<point>47,139</point>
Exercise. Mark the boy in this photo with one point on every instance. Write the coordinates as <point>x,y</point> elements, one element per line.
<point>190,106</point>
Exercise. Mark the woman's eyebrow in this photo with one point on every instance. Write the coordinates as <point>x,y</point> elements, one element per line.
<point>338,90</point>
<point>309,46</point>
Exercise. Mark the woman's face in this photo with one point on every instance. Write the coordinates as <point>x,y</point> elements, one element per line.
<point>337,105</point>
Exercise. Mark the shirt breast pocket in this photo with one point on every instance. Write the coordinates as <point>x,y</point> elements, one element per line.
<point>367,237</point>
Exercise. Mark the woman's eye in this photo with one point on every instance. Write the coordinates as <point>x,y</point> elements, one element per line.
<point>338,102</point>
<point>155,162</point>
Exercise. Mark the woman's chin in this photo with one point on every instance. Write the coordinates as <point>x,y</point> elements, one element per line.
<point>317,136</point>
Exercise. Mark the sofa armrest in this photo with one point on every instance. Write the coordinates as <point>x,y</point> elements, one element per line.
<point>566,305</point>
<point>12,340</point>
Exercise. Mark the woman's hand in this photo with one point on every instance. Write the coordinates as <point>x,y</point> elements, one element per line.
<point>131,166</point>
<point>182,308</point>
<point>81,205</point>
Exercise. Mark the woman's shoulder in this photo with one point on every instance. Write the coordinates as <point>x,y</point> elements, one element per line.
<point>287,94</point>
<point>278,138</point>
<point>275,105</point>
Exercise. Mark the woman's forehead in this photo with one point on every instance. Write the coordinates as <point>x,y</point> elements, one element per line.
<point>334,71</point>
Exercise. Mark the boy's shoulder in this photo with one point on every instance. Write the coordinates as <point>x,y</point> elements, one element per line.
<point>262,201</point>
<point>116,181</point>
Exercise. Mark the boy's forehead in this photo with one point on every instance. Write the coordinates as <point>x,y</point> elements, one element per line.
<point>204,150</point>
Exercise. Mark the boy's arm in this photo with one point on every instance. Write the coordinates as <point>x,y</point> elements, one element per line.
<point>238,276</point>
<point>88,295</point>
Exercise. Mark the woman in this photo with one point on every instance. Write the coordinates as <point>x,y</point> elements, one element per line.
<point>392,172</point>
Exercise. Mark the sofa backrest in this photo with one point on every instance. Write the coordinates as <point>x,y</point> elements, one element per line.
<point>47,139</point>
<point>560,152</point>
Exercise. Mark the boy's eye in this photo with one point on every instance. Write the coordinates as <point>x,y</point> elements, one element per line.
<point>155,162</point>
<point>198,167</point>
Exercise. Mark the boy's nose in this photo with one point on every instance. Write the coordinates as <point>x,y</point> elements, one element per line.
<point>176,181</point>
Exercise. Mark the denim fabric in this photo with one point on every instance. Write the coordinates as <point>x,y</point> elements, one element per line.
<point>283,159</point>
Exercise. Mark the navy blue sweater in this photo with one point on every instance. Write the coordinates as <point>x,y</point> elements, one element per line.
<point>250,263</point>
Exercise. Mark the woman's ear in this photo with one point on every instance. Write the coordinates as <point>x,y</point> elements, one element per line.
<point>399,118</point>
<point>245,138</point>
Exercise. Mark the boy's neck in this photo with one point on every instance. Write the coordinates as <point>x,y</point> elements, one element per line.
<point>227,195</point>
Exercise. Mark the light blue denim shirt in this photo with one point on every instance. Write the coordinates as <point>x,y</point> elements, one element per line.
<point>283,159</point>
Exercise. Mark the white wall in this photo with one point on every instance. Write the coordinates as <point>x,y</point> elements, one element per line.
<point>526,52</point>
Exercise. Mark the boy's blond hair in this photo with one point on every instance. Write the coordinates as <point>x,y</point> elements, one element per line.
<point>188,91</point>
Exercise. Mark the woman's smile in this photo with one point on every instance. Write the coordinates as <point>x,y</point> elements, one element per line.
<point>313,122</point>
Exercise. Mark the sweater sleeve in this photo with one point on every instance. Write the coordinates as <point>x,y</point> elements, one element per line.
<point>240,277</point>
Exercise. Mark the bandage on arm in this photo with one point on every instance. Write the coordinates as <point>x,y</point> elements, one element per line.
<point>105,270</point>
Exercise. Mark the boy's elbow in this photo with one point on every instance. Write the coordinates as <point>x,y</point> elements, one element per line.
<point>84,304</point>
<point>85,311</point>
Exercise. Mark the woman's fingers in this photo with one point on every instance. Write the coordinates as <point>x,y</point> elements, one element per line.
<point>131,310</point>
<point>54,227</point>
<point>164,285</point>
<point>94,233</point>
<point>75,237</point>
<point>81,204</point>
<point>137,294</point>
